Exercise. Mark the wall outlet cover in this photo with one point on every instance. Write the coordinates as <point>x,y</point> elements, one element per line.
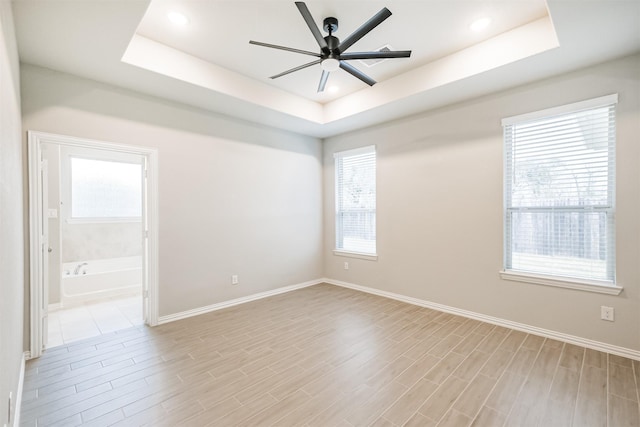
<point>607,313</point>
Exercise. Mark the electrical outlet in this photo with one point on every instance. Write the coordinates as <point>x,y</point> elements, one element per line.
<point>607,313</point>
<point>346,265</point>
<point>234,279</point>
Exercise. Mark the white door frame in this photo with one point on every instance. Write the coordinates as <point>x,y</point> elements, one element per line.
<point>36,238</point>
<point>43,223</point>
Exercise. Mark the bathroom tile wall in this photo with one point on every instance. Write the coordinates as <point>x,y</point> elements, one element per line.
<point>82,242</point>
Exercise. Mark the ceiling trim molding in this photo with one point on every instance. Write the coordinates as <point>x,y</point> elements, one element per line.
<point>522,42</point>
<point>162,59</point>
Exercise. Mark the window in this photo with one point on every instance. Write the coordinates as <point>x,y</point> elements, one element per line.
<point>559,192</point>
<point>356,201</point>
<point>105,189</point>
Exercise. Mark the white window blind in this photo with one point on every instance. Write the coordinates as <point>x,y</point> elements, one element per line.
<point>356,200</point>
<point>559,191</point>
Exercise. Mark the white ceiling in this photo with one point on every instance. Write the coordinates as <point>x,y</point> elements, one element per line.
<point>210,64</point>
<point>219,31</point>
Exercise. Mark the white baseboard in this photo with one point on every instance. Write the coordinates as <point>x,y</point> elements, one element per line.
<point>560,336</point>
<point>218,306</point>
<point>18,405</point>
<point>547,333</point>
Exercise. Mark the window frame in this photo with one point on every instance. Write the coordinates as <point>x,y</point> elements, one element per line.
<point>599,286</point>
<point>371,256</point>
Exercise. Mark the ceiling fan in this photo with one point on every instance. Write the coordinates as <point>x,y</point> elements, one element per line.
<point>332,52</point>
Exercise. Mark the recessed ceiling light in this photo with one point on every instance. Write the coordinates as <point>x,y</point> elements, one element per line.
<point>333,89</point>
<point>177,18</point>
<point>480,24</point>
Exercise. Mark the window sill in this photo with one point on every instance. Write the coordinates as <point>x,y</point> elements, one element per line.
<point>359,255</point>
<point>581,285</point>
<point>102,220</point>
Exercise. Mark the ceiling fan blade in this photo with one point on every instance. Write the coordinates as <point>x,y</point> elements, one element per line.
<point>323,80</point>
<point>357,73</point>
<point>300,67</point>
<point>289,49</point>
<point>304,11</point>
<point>376,54</point>
<point>376,20</point>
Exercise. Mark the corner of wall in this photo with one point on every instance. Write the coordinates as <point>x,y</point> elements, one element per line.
<point>12,224</point>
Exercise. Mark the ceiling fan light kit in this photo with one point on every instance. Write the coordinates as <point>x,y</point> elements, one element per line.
<point>330,64</point>
<point>332,52</point>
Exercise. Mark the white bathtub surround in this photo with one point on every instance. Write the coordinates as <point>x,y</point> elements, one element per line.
<point>92,280</point>
<point>100,240</point>
<point>93,319</point>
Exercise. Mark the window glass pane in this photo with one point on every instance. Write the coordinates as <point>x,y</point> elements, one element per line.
<point>356,202</point>
<point>105,189</point>
<point>572,244</point>
<point>559,195</point>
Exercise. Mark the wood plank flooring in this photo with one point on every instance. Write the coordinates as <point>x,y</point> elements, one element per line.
<point>328,356</point>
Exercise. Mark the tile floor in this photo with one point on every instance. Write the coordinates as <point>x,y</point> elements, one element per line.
<point>93,319</point>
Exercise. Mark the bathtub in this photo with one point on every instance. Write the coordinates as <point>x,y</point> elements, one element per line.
<point>103,278</point>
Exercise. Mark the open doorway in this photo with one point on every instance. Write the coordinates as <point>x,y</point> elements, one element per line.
<point>95,241</point>
<point>93,246</point>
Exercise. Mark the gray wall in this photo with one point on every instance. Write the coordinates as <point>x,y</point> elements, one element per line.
<point>235,198</point>
<point>12,231</point>
<point>439,213</point>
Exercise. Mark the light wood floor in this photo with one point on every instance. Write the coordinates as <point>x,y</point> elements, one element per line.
<point>328,356</point>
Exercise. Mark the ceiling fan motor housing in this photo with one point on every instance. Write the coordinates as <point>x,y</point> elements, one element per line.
<point>330,25</point>
<point>332,46</point>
